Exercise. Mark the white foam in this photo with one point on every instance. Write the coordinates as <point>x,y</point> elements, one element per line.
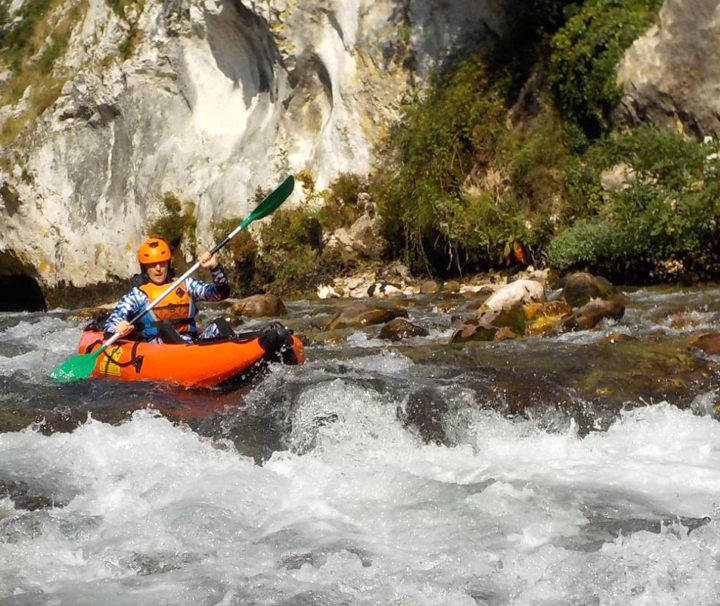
<point>360,510</point>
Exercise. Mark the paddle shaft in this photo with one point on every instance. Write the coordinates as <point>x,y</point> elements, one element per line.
<point>229,237</point>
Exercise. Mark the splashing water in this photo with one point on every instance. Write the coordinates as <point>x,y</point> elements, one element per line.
<point>351,505</point>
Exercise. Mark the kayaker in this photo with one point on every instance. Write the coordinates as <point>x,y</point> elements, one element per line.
<point>173,319</point>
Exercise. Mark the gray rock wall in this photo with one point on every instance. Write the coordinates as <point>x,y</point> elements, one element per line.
<point>671,76</point>
<point>216,99</point>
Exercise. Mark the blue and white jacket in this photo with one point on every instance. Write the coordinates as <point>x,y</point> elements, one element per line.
<point>135,301</point>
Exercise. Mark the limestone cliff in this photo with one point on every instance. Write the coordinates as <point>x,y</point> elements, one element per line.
<point>206,100</point>
<point>671,75</point>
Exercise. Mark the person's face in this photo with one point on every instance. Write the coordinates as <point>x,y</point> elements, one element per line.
<point>157,272</point>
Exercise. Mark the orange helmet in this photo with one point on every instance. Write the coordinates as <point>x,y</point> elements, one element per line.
<point>153,250</point>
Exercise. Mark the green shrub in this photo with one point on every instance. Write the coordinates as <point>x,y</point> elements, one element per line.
<point>19,43</point>
<point>240,257</point>
<point>667,211</point>
<point>340,208</point>
<point>585,54</point>
<point>58,43</point>
<point>586,244</point>
<point>428,156</point>
<point>175,227</point>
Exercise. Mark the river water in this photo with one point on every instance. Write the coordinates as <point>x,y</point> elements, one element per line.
<point>549,471</point>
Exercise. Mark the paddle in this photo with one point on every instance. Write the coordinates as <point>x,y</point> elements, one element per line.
<point>81,365</point>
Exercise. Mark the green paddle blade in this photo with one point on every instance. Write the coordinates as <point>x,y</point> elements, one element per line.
<point>76,368</point>
<point>272,200</point>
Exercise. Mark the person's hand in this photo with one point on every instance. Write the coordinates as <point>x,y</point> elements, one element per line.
<point>208,261</point>
<point>124,328</point>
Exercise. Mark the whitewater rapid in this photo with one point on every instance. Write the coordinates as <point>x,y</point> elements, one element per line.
<point>148,513</point>
<point>355,508</point>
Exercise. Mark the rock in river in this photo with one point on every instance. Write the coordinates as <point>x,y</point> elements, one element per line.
<point>399,328</point>
<point>259,306</point>
<point>364,315</point>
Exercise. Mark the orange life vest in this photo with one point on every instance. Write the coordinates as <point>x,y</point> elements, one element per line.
<point>177,307</point>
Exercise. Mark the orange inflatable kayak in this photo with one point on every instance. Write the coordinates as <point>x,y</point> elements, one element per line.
<point>225,364</point>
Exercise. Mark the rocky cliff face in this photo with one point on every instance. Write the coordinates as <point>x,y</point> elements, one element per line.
<point>671,76</point>
<point>206,100</point>
<point>209,99</point>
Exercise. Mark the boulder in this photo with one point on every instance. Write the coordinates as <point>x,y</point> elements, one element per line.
<point>514,319</point>
<point>581,287</point>
<point>506,333</point>
<point>509,297</point>
<point>544,318</point>
<point>590,314</point>
<point>356,316</point>
<point>473,332</point>
<point>429,287</point>
<point>384,289</point>
<point>399,328</point>
<point>709,343</point>
<point>259,306</point>
<point>326,291</point>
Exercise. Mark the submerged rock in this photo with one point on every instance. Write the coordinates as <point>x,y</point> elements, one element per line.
<point>355,316</point>
<point>399,328</point>
<point>618,337</point>
<point>592,313</point>
<point>709,343</point>
<point>581,287</point>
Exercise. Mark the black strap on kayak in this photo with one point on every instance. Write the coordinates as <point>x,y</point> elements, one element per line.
<point>135,360</point>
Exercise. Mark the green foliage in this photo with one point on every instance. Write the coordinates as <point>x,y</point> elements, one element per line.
<point>667,210</point>
<point>240,257</point>
<point>20,43</point>
<point>428,156</point>
<point>585,54</point>
<point>306,180</point>
<point>19,50</point>
<point>290,256</point>
<point>460,184</point>
<point>176,226</point>
<point>4,13</point>
<point>587,244</point>
<point>58,43</point>
<point>340,206</point>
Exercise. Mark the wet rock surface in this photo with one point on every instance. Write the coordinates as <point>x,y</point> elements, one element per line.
<point>359,315</point>
<point>709,343</point>
<point>399,329</point>
<point>259,306</point>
